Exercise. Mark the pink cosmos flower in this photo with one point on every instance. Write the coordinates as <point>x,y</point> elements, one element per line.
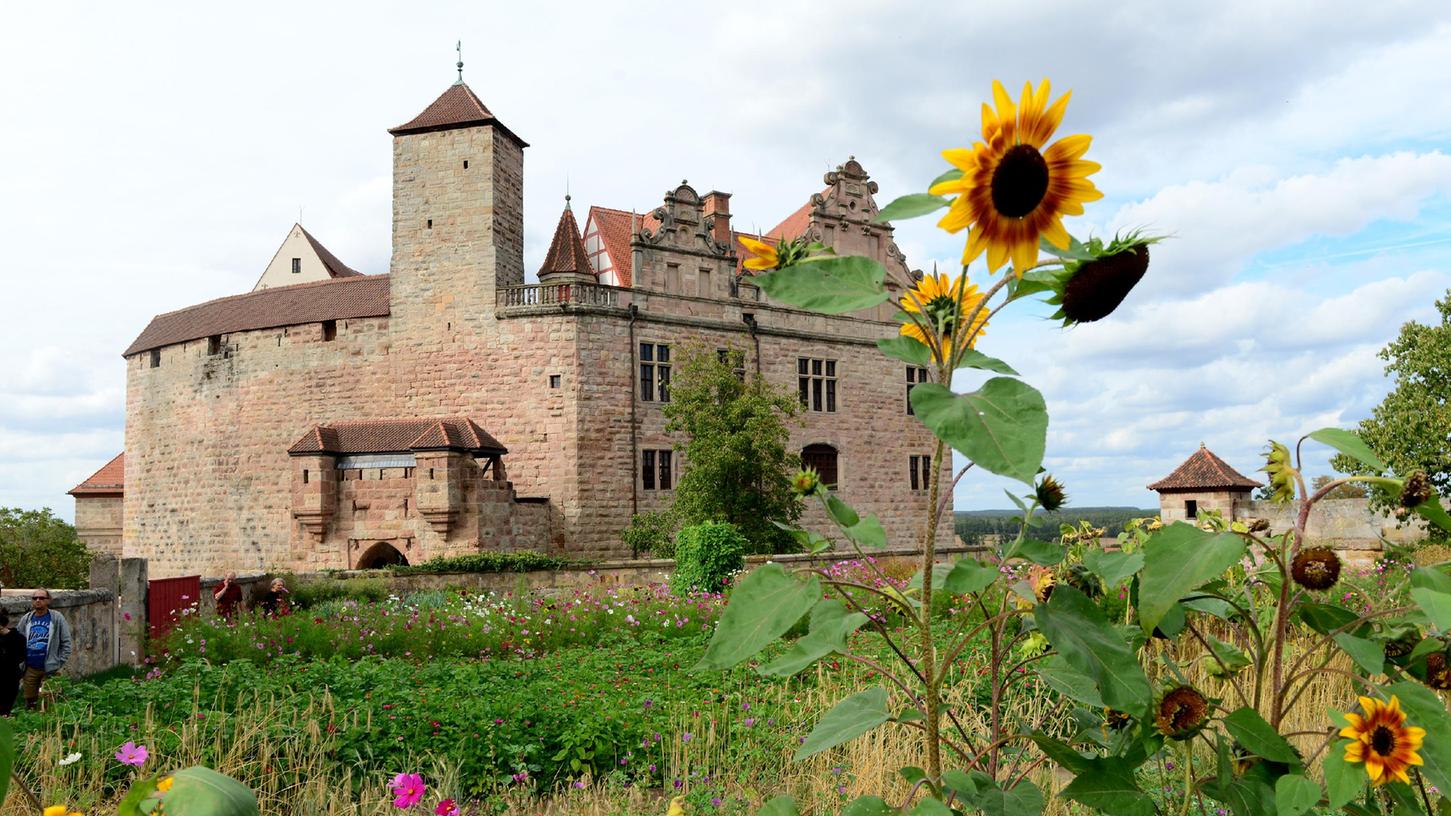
<point>446,808</point>
<point>132,754</point>
<point>407,790</point>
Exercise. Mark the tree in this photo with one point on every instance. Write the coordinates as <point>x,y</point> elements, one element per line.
<point>39,550</point>
<point>738,462</point>
<point>1411,428</point>
<point>1354,490</point>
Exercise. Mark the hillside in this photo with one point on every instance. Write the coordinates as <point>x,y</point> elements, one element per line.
<point>972,524</point>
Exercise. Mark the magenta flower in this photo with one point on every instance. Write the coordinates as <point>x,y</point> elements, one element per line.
<point>446,808</point>
<point>407,790</point>
<point>132,754</point>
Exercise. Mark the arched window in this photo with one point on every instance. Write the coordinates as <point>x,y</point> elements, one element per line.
<point>381,554</point>
<point>823,459</point>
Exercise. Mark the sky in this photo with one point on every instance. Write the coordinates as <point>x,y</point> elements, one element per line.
<point>1298,155</point>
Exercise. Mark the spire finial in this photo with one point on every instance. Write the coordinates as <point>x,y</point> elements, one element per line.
<point>460,49</point>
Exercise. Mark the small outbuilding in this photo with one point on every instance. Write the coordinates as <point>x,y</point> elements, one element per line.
<point>1203,482</point>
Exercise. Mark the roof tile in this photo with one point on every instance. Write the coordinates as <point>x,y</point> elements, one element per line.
<point>566,252</point>
<point>1205,471</point>
<point>395,435</point>
<point>110,480</point>
<point>457,107</point>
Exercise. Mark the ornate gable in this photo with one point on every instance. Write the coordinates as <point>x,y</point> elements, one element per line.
<point>684,225</point>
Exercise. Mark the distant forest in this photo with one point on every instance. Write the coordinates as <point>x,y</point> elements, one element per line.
<point>973,524</point>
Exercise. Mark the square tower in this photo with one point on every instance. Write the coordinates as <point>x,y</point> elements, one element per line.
<point>458,217</point>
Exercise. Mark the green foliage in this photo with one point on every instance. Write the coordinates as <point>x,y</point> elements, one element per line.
<point>834,285</point>
<point>763,606</point>
<point>7,755</point>
<point>1094,648</point>
<point>847,720</point>
<point>198,791</point>
<point>706,556</point>
<point>1178,559</point>
<point>311,593</point>
<point>972,525</point>
<point>831,624</point>
<point>650,534</point>
<point>1002,427</point>
<point>486,562</point>
<point>738,459</point>
<point>39,550</point>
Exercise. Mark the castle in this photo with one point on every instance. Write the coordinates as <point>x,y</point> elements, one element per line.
<point>331,419</point>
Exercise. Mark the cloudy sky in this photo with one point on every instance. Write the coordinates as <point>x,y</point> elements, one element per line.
<point>154,156</point>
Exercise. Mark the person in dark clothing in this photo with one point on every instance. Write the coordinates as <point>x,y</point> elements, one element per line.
<point>12,663</point>
<point>228,596</point>
<point>278,601</point>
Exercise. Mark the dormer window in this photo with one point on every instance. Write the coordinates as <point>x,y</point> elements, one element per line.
<point>297,266</point>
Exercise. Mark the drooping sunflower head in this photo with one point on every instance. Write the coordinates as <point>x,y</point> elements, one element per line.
<point>1050,493</point>
<point>1096,277</point>
<point>1182,713</point>
<point>1042,580</point>
<point>1381,739</point>
<point>1116,720</point>
<point>944,305</point>
<point>1416,491</point>
<point>1316,568</point>
<point>1013,191</point>
<point>1438,671</point>
<point>1281,473</point>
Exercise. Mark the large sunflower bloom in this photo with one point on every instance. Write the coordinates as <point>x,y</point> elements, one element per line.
<point>1012,191</point>
<point>942,303</point>
<point>764,255</point>
<point>1382,741</point>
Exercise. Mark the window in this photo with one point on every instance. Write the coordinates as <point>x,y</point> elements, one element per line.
<point>919,472</point>
<point>655,468</point>
<point>214,345</point>
<point>654,372</point>
<point>296,266</point>
<point>466,164</point>
<point>430,223</point>
<point>916,375</point>
<point>156,358</point>
<point>702,283</point>
<point>816,380</point>
<point>329,330</point>
<point>1191,508</point>
<point>554,380</point>
<point>822,459</point>
<point>304,476</point>
<point>734,359</point>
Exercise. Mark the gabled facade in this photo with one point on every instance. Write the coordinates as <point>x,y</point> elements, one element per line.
<point>302,259</point>
<point>566,378</point>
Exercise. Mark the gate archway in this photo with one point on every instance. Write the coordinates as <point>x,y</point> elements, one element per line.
<point>381,554</point>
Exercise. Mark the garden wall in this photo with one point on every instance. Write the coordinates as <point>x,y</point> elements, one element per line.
<point>1348,525</point>
<point>91,615</point>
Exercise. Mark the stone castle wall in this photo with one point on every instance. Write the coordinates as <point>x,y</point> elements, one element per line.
<point>99,523</point>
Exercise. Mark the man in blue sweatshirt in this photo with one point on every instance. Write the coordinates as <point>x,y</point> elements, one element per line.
<point>47,645</point>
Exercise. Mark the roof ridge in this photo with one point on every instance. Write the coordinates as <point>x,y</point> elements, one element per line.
<point>327,257</point>
<point>291,287</point>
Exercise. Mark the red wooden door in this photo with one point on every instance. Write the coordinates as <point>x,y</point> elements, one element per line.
<point>165,600</point>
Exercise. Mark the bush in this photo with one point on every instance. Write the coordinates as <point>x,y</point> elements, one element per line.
<point>651,533</point>
<point>313,593</point>
<point>39,550</point>
<point>486,562</point>
<point>706,556</point>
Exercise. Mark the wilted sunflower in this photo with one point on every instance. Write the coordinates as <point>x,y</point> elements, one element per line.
<point>1182,712</point>
<point>1042,580</point>
<point>1416,491</point>
<point>1050,493</point>
<point>1282,475</point>
<point>1382,741</point>
<point>943,304</point>
<point>1438,673</point>
<point>1012,192</point>
<point>1316,568</point>
<point>1117,720</point>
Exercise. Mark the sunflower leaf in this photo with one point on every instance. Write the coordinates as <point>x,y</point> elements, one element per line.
<point>910,206</point>
<point>1177,560</point>
<point>907,349</point>
<point>1349,444</point>
<point>972,358</point>
<point>849,719</point>
<point>1343,781</point>
<point>831,285</point>
<point>1076,250</point>
<point>762,607</point>
<point>951,175</point>
<point>1259,737</point>
<point>1091,646</point>
<point>1002,427</point>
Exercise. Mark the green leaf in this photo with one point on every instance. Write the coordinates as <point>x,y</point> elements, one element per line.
<point>762,607</point>
<point>951,175</point>
<point>1325,618</point>
<point>1433,512</point>
<point>1349,444</point>
<point>959,783</point>
<point>1045,553</point>
<point>868,532</point>
<point>1431,578</point>
<point>1002,427</point>
<point>841,512</point>
<point>968,576</point>
<point>1343,781</point>
<point>831,623</point>
<point>1294,795</point>
<point>911,206</point>
<point>1259,738</point>
<point>7,754</point>
<point>1224,659</point>
<point>1064,755</point>
<point>1110,788</point>
<point>849,719</point>
<point>1177,560</point>
<point>140,791</point>
<point>1424,709</point>
<point>780,806</point>
<point>1024,799</point>
<point>1249,795</point>
<point>1436,605</point>
<point>972,358</point>
<point>1068,681</point>
<point>870,806</point>
<point>1367,654</point>
<point>1113,567</point>
<point>1086,640</point>
<point>835,285</point>
<point>199,791</point>
<point>928,806</point>
<point>907,349</point>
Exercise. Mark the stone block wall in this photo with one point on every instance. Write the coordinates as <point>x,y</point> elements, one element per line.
<point>100,521</point>
<point>91,615</point>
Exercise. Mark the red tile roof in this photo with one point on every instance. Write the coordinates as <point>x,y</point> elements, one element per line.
<point>110,480</point>
<point>1205,471</point>
<point>566,252</point>
<point>457,107</point>
<point>334,299</point>
<point>335,268</point>
<point>616,228</point>
<point>395,436</point>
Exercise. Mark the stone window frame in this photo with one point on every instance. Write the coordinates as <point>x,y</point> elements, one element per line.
<point>916,375</point>
<point>919,471</point>
<point>654,374</point>
<point>657,469</point>
<point>825,458</point>
<point>556,381</point>
<point>816,384</point>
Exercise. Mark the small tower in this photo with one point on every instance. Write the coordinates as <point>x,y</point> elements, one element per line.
<point>458,216</point>
<point>567,261</point>
<point>1203,482</point>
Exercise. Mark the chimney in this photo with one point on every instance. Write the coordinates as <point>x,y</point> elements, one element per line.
<point>718,205</point>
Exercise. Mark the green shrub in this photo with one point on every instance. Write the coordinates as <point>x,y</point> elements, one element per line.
<point>312,593</point>
<point>651,533</point>
<point>39,550</point>
<point>706,556</point>
<point>486,562</point>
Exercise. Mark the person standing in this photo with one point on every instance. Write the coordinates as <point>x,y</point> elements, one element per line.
<point>12,663</point>
<point>227,596</point>
<point>47,645</point>
<point>277,602</point>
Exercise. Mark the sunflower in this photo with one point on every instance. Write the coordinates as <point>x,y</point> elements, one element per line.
<point>765,256</point>
<point>1012,192</point>
<point>1382,741</point>
<point>1042,581</point>
<point>1182,713</point>
<point>1316,568</point>
<point>944,303</point>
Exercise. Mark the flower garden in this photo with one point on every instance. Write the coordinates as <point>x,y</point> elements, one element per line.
<point>1209,668</point>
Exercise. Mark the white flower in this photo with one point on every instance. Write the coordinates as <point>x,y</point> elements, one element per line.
<point>70,759</point>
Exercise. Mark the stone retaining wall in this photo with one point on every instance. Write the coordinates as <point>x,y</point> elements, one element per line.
<point>91,615</point>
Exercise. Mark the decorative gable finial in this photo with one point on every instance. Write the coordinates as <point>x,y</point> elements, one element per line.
<point>460,48</point>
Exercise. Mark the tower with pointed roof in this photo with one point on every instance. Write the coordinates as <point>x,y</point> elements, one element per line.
<point>1203,482</point>
<point>458,216</point>
<point>567,260</point>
